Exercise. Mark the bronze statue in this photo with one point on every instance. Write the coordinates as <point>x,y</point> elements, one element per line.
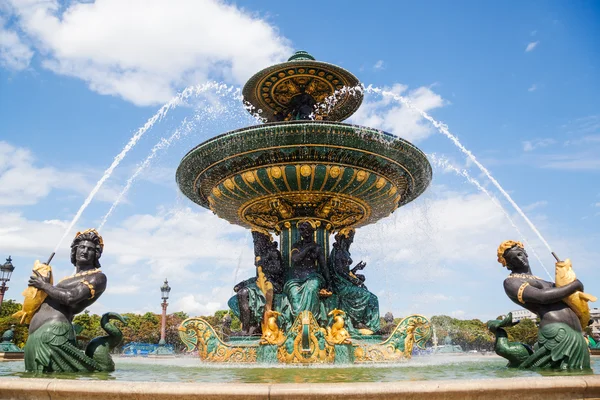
<point>259,294</point>
<point>51,346</point>
<point>309,277</point>
<point>561,344</point>
<point>360,305</point>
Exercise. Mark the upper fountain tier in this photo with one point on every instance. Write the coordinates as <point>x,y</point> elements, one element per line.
<point>304,163</point>
<point>295,89</point>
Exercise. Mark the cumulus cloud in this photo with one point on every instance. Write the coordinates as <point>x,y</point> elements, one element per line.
<point>14,54</point>
<point>532,88</point>
<point>386,114</point>
<point>379,65</point>
<point>531,46</point>
<point>22,182</point>
<point>530,145</point>
<point>144,57</point>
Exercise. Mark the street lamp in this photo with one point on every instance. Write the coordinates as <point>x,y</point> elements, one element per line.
<point>6,271</point>
<point>164,289</point>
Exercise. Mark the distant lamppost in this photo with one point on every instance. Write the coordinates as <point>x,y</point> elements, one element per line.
<point>165,289</point>
<point>6,271</point>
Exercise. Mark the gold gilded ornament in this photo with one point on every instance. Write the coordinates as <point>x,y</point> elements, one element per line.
<point>305,170</point>
<point>249,176</point>
<point>33,297</point>
<point>276,172</point>
<point>334,172</point>
<point>578,301</point>
<point>336,333</point>
<point>361,175</point>
<point>505,246</point>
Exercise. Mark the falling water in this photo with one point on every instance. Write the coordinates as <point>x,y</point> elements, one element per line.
<point>444,163</point>
<point>443,128</point>
<point>162,112</point>
<point>329,102</point>
<point>185,128</point>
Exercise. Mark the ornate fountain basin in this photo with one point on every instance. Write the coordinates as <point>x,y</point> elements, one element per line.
<point>264,176</point>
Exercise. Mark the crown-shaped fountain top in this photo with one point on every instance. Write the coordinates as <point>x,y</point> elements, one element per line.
<point>303,88</point>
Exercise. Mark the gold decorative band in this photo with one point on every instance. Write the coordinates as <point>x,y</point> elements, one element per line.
<point>91,287</point>
<point>520,293</point>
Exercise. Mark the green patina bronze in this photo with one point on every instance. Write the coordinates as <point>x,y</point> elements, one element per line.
<point>561,344</point>
<point>304,176</point>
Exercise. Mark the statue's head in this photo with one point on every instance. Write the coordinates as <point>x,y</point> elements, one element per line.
<point>306,230</point>
<point>87,248</point>
<point>345,235</point>
<point>513,256</point>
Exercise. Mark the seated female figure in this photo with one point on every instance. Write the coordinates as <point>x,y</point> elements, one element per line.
<point>360,305</point>
<point>308,275</point>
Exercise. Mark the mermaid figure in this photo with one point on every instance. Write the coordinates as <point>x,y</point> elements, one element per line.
<point>561,344</point>
<point>51,345</point>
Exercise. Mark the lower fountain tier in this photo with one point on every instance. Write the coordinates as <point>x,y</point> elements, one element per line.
<point>306,343</point>
<point>269,175</point>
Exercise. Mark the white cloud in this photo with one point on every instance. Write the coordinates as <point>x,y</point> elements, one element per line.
<point>579,161</point>
<point>533,206</point>
<point>144,57</point>
<point>530,145</point>
<point>379,65</point>
<point>398,119</point>
<point>14,54</point>
<point>531,46</point>
<point>24,183</point>
<point>532,88</point>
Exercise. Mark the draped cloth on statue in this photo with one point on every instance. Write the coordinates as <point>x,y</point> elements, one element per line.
<point>559,346</point>
<point>52,348</point>
<point>303,295</point>
<point>360,305</point>
<point>256,301</point>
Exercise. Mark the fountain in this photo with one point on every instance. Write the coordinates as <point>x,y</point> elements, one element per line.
<point>304,176</point>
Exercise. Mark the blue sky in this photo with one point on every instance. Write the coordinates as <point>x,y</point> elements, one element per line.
<point>516,82</point>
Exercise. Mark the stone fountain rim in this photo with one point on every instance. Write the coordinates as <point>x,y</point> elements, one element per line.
<point>581,386</point>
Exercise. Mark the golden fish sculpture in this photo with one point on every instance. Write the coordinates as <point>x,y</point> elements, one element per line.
<point>578,301</point>
<point>34,297</point>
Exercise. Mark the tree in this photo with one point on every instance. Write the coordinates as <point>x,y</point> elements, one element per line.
<point>526,332</point>
<point>9,307</point>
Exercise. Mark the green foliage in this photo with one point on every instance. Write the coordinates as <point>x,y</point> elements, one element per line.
<point>9,307</point>
<point>525,332</point>
<point>469,334</point>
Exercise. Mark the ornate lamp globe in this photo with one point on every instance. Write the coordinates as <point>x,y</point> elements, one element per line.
<point>165,289</point>
<point>6,270</point>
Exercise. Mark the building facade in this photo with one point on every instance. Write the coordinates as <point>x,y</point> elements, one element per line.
<point>595,317</point>
<point>518,315</point>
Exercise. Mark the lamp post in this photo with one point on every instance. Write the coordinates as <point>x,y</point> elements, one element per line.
<point>6,271</point>
<point>165,289</point>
